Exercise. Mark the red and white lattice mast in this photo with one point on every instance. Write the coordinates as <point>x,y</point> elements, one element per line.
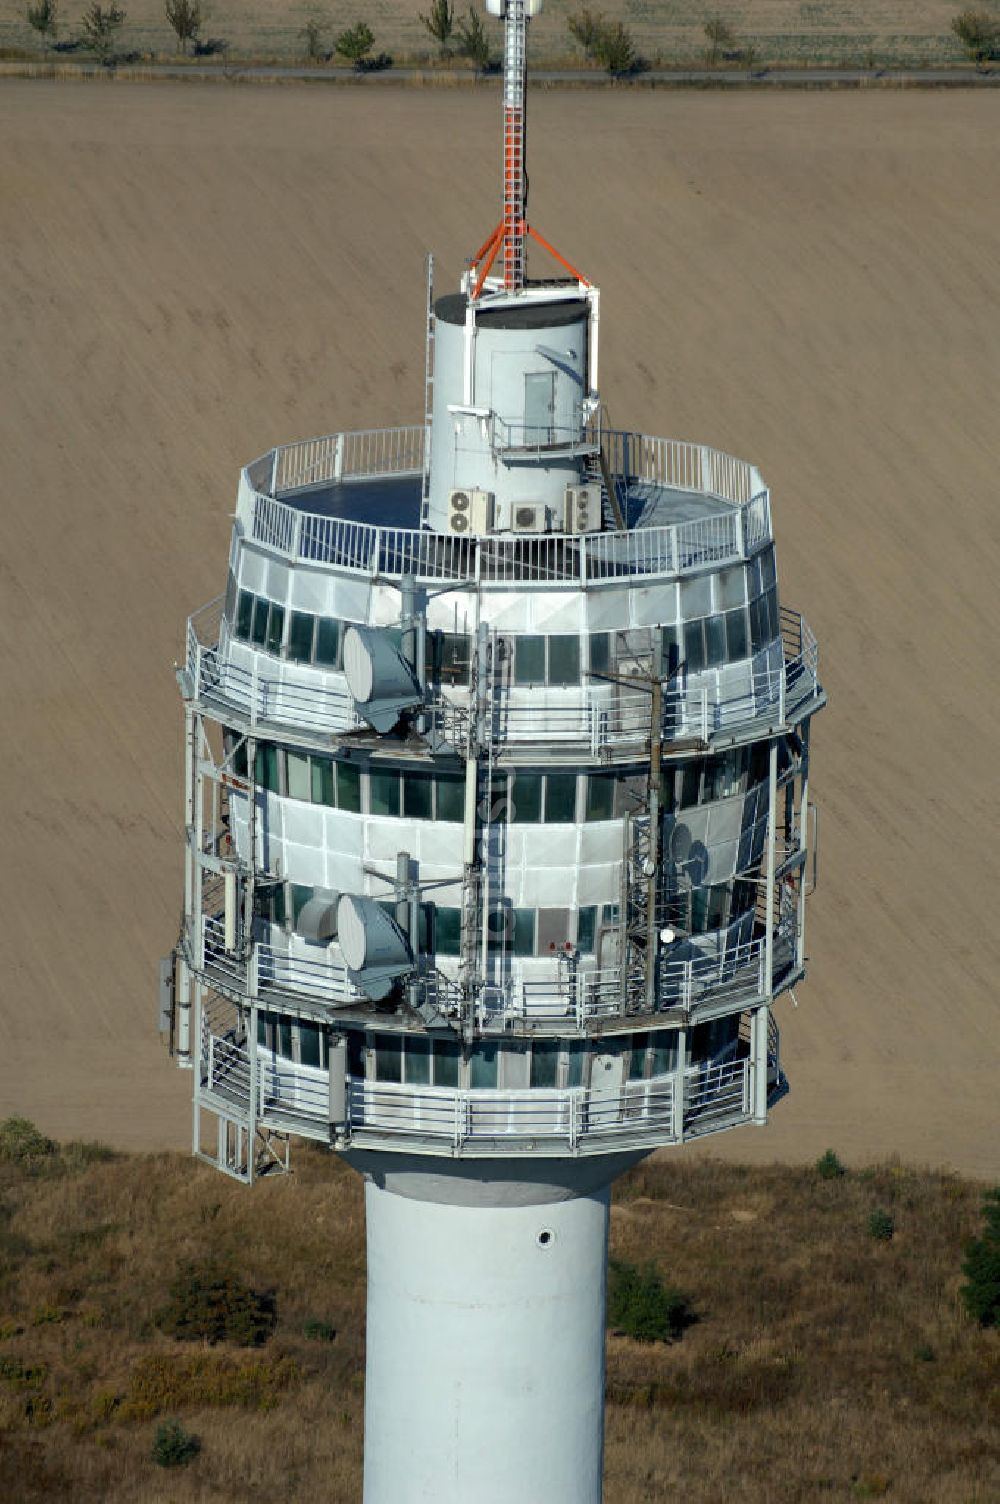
<point>510,234</point>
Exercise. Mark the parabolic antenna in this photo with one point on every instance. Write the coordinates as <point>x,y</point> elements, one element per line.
<point>379,678</point>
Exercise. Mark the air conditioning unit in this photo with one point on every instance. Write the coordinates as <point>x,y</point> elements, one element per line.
<point>583,509</point>
<point>529,517</point>
<point>470,510</point>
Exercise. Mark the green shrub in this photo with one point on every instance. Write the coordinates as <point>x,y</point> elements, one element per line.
<point>881,1226</point>
<point>210,1303</point>
<point>829,1167</point>
<point>319,1331</point>
<point>355,44</point>
<point>615,50</point>
<point>173,1446</point>
<point>979,34</point>
<point>981,1292</point>
<point>21,1143</point>
<point>642,1307</point>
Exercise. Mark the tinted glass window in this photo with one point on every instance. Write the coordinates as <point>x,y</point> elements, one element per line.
<point>694,647</point>
<point>637,1065</point>
<point>758,623</point>
<point>285,1038</point>
<point>328,642</point>
<point>417,789</point>
<point>383,793</point>
<point>483,1065</point>
<point>600,796</point>
<point>300,637</point>
<point>323,790</point>
<point>348,787</point>
<point>258,630</point>
<point>523,939</point>
<point>574,1069</point>
<point>275,627</point>
<point>736,634</point>
<point>773,614</point>
<point>560,798</point>
<point>418,1061</point>
<point>298,776</point>
<point>664,1051</point>
<point>266,767</point>
<point>715,641</point>
<point>447,931</point>
<point>388,1058</point>
<point>309,1045</point>
<point>526,798</point>
<point>529,660</point>
<point>445,1063</point>
<point>244,615</point>
<point>564,660</point>
<point>600,652</point>
<point>671,650</point>
<point>451,798</point>
<point>585,927</point>
<point>544,1062</point>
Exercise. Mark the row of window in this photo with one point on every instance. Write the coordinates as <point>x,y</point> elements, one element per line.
<point>557,659</point>
<point>414,1060</point>
<point>522,798</point>
<point>532,932</point>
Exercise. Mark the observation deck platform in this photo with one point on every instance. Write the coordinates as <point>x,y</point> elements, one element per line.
<point>352,501</point>
<point>462,1123</point>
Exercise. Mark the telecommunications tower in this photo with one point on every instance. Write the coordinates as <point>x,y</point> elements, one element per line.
<point>497,818</point>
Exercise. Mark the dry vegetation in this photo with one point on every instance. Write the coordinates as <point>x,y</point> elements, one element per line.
<point>801,32</point>
<point>824,1362</point>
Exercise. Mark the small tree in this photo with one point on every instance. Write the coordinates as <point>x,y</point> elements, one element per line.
<point>210,1303</point>
<point>100,22</point>
<point>473,42</point>
<point>829,1167</point>
<point>719,36</point>
<point>643,1307</point>
<point>185,18</point>
<point>440,22</point>
<point>981,1293</point>
<point>615,50</point>
<point>314,40</point>
<point>979,34</point>
<point>44,18</point>
<point>586,28</point>
<point>173,1446</point>
<point>355,44</point>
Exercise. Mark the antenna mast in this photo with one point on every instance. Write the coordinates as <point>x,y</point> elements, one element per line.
<point>515,68</point>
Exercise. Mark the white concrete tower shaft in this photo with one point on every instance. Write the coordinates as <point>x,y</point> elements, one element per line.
<point>485,1335</point>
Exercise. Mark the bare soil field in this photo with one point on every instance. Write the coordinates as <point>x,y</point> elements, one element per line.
<point>192,274</point>
<point>906,33</point>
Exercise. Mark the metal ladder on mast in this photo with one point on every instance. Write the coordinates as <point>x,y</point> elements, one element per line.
<point>425,491</point>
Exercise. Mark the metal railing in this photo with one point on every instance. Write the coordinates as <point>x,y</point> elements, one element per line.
<point>574,1119</point>
<point>361,455</point>
<point>553,558</point>
<point>592,719</point>
<point>736,976</point>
